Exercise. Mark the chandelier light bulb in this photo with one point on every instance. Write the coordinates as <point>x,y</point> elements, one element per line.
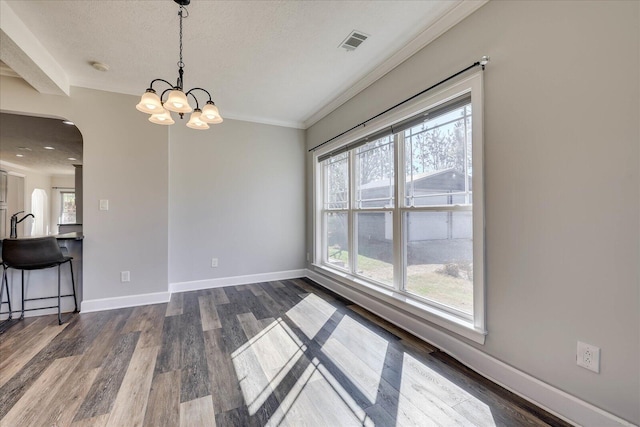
<point>150,103</point>
<point>210,112</point>
<point>163,118</point>
<point>195,121</point>
<point>177,102</point>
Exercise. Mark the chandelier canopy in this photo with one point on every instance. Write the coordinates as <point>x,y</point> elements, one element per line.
<point>177,100</point>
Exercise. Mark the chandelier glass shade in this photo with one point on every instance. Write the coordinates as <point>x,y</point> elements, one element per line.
<point>195,122</point>
<point>177,100</point>
<point>150,103</point>
<point>210,113</point>
<point>162,118</point>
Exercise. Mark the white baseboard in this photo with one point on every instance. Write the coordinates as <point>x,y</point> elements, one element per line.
<point>553,400</point>
<point>235,280</point>
<point>161,297</point>
<point>121,302</point>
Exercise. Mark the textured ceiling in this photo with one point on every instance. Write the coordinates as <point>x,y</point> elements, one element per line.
<point>266,61</point>
<point>28,136</point>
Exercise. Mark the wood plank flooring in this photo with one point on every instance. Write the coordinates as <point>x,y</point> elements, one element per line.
<point>282,353</point>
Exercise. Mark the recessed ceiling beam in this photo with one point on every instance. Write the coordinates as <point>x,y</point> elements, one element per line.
<point>24,54</point>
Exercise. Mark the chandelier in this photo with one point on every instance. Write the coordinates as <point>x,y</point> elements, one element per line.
<point>177,100</point>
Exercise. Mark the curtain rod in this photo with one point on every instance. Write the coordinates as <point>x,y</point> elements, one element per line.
<point>483,61</point>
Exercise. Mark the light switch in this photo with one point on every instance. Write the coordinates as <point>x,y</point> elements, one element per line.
<point>104,205</point>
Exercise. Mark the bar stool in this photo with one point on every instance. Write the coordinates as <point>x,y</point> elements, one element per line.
<point>36,254</point>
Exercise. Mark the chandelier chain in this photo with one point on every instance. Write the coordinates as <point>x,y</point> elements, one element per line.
<point>181,64</point>
<point>177,101</point>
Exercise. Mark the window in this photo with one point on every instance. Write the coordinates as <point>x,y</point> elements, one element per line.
<point>38,209</point>
<point>438,209</point>
<point>67,207</point>
<point>425,248</point>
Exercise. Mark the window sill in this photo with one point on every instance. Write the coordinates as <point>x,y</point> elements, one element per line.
<point>431,314</point>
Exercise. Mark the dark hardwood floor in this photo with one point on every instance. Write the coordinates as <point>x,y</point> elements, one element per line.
<point>283,353</point>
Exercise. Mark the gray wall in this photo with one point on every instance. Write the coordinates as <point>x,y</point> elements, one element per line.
<point>237,194</point>
<point>561,132</point>
<point>125,161</point>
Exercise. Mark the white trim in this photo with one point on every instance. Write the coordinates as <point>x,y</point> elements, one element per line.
<point>435,30</point>
<point>89,306</point>
<point>469,83</point>
<point>264,120</point>
<point>196,285</point>
<point>410,306</point>
<point>472,328</point>
<point>546,396</point>
<point>479,245</point>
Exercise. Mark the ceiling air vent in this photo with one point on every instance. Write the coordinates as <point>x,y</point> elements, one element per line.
<point>353,40</point>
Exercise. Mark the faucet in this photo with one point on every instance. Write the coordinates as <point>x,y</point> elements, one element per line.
<point>15,221</point>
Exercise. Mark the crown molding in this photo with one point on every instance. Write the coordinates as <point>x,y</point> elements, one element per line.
<point>451,18</point>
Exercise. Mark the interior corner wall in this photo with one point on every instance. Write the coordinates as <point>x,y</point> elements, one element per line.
<point>562,95</point>
<point>125,161</point>
<point>236,193</point>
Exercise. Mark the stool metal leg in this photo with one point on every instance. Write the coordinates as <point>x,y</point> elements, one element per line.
<point>59,315</point>
<point>73,286</point>
<point>22,313</point>
<point>3,285</point>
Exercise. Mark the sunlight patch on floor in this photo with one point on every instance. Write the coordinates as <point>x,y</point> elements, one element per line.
<point>311,314</point>
<point>315,391</point>
<point>355,359</point>
<point>264,361</point>
<point>344,349</point>
<point>444,401</point>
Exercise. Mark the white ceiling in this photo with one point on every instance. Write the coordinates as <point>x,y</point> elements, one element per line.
<point>275,62</point>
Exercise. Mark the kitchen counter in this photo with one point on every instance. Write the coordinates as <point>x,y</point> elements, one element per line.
<point>73,235</point>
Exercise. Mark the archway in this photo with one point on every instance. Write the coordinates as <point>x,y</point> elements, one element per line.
<point>46,153</point>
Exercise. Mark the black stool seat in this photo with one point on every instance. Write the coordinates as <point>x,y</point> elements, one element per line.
<point>36,254</point>
<point>32,254</point>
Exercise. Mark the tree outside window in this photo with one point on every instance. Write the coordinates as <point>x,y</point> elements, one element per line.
<point>67,207</point>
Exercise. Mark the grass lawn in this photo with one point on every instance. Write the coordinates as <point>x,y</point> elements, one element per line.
<point>426,280</point>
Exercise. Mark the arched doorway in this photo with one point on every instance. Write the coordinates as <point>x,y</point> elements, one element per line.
<point>43,153</point>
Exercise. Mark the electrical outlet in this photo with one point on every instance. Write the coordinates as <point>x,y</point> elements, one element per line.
<point>308,257</point>
<point>588,356</point>
<point>214,262</point>
<point>125,276</point>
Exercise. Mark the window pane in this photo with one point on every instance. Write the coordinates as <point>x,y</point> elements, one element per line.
<point>374,176</point>
<point>439,257</point>
<point>337,246</point>
<point>68,207</point>
<point>438,158</point>
<point>375,246</point>
<point>336,170</point>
